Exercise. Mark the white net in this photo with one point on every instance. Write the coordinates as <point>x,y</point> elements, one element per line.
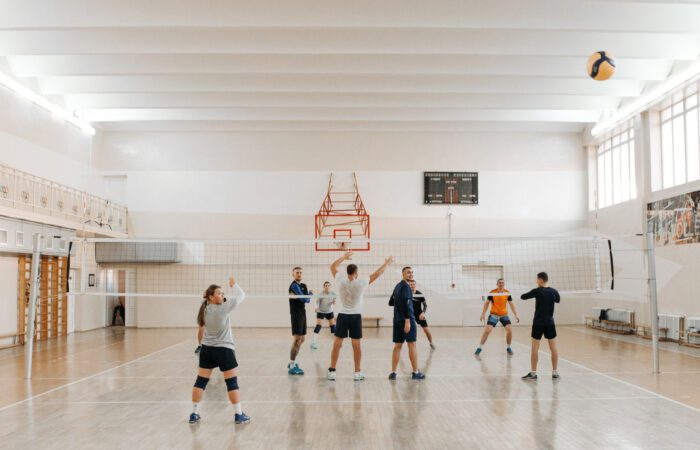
<point>450,267</point>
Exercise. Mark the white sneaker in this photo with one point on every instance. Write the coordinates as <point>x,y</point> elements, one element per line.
<point>432,346</point>
<point>331,375</point>
<point>314,346</point>
<point>359,376</point>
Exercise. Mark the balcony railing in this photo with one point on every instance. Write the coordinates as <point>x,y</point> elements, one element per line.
<point>24,191</point>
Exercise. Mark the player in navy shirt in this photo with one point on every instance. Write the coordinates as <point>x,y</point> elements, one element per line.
<point>404,325</point>
<point>297,312</point>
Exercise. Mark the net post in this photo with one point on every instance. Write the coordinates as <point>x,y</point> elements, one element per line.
<point>598,276</point>
<point>653,306</point>
<point>33,290</point>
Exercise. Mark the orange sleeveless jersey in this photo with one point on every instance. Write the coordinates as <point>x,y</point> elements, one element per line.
<point>499,303</point>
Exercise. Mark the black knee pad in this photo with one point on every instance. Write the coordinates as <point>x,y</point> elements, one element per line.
<point>333,329</point>
<point>317,329</point>
<point>232,383</point>
<point>201,382</point>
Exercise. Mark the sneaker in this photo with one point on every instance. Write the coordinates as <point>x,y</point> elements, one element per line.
<point>509,351</point>
<point>314,345</point>
<point>295,370</point>
<point>478,351</point>
<point>331,375</point>
<point>531,376</point>
<point>392,376</point>
<point>196,350</point>
<point>418,375</point>
<point>432,346</point>
<point>241,418</point>
<point>194,418</point>
<point>359,376</point>
<point>555,375</point>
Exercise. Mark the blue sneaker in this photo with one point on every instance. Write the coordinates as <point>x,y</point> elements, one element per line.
<point>418,376</point>
<point>194,418</point>
<point>478,351</point>
<point>509,351</point>
<point>242,418</point>
<point>392,376</point>
<point>295,370</point>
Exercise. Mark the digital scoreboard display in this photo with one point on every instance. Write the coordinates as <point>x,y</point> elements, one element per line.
<point>451,188</point>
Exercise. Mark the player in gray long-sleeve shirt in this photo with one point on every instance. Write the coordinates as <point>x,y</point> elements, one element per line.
<point>217,347</point>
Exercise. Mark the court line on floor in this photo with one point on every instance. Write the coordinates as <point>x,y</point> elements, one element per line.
<point>581,366</point>
<point>353,401</point>
<point>11,405</point>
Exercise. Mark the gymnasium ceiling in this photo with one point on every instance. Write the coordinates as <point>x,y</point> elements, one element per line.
<point>343,65</point>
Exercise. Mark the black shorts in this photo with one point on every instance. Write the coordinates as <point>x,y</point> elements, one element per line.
<point>548,331</point>
<point>349,325</point>
<point>327,316</point>
<point>423,323</point>
<point>494,319</point>
<point>221,357</point>
<point>400,336</point>
<point>298,323</point>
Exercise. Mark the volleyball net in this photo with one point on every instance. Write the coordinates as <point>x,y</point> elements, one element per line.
<point>449,267</point>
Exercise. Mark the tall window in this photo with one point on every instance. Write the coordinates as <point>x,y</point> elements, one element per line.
<point>616,177</point>
<point>677,159</point>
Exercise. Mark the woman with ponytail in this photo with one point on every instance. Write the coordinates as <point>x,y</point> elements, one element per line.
<point>217,347</point>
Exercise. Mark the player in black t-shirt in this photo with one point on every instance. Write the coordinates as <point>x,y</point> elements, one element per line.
<point>297,312</point>
<point>543,324</point>
<point>420,306</point>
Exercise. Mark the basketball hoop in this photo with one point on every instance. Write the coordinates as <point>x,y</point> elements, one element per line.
<point>342,222</point>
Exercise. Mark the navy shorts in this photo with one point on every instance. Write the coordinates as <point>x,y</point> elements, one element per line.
<point>349,325</point>
<point>299,323</point>
<point>327,316</point>
<point>400,336</point>
<point>548,331</point>
<point>222,357</point>
<point>493,320</point>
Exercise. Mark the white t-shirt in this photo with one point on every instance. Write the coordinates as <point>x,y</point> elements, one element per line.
<point>350,293</point>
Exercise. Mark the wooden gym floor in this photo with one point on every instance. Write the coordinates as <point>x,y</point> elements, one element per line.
<point>116,388</point>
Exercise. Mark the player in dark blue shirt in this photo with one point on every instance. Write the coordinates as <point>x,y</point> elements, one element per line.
<point>297,311</point>
<point>543,324</point>
<point>404,325</point>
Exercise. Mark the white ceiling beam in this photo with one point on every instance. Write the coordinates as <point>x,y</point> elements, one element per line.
<point>551,66</point>
<point>360,126</point>
<point>348,41</point>
<point>531,14</point>
<point>339,99</point>
<point>342,114</point>
<point>338,83</point>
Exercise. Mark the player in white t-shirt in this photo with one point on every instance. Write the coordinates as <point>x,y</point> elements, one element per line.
<point>350,289</point>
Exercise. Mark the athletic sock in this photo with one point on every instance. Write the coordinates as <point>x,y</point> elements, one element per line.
<point>331,369</point>
<point>194,408</point>
<point>291,363</point>
<point>239,408</point>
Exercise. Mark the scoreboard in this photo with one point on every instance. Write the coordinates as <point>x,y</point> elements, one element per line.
<point>451,188</point>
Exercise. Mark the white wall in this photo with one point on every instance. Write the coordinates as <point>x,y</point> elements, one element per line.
<point>33,141</point>
<point>269,186</point>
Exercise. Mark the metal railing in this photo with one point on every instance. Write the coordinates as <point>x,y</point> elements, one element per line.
<point>23,191</point>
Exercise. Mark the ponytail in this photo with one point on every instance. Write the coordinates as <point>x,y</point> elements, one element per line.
<point>202,308</point>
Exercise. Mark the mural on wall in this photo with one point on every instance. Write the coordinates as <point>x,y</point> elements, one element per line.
<point>675,220</point>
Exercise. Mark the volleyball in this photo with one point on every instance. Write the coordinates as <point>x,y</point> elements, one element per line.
<point>601,66</point>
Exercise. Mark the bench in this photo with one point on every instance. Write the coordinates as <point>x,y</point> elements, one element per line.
<point>597,324</point>
<point>644,331</point>
<point>691,344</point>
<point>373,321</point>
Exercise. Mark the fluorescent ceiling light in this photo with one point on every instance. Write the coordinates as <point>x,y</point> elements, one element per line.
<point>37,99</point>
<point>645,101</point>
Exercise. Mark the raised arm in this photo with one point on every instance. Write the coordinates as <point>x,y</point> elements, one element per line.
<point>338,262</point>
<point>528,295</point>
<point>377,273</point>
<point>237,297</point>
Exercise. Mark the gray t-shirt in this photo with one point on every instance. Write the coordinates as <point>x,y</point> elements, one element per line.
<point>324,303</point>
<point>217,320</point>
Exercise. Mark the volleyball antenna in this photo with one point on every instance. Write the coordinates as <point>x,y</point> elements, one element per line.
<point>342,223</point>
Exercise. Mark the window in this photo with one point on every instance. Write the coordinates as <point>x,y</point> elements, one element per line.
<point>676,160</point>
<point>615,162</point>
